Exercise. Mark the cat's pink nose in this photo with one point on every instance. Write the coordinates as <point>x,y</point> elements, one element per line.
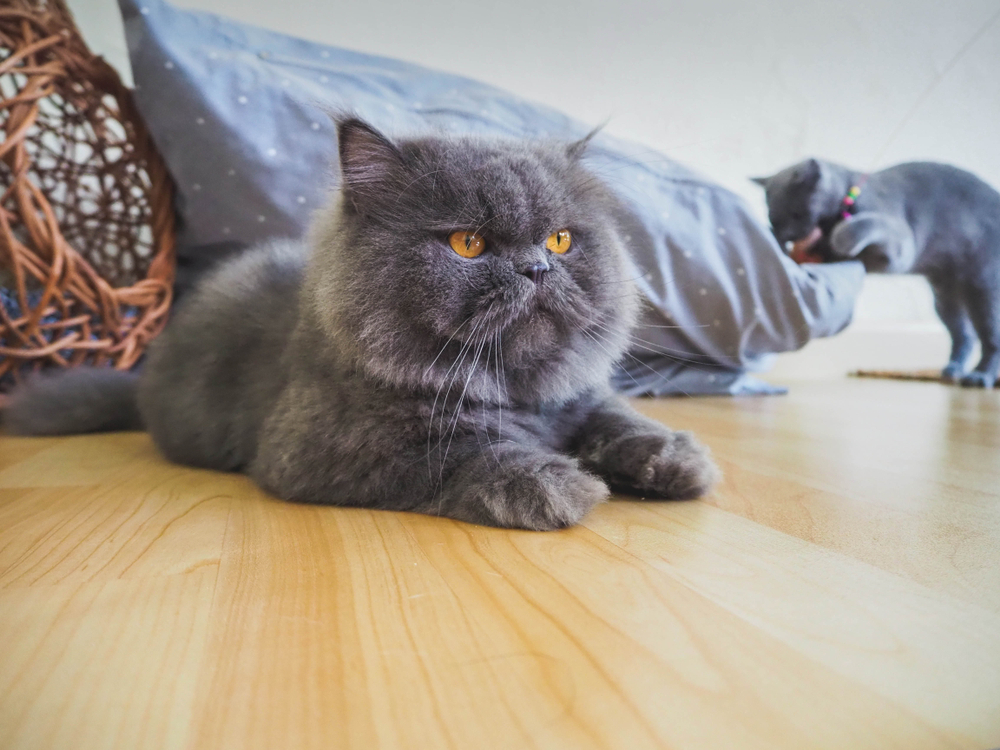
<point>536,271</point>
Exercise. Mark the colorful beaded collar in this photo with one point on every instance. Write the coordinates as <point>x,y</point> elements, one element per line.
<point>848,206</point>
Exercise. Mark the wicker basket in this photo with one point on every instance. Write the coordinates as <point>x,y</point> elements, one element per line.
<point>86,215</point>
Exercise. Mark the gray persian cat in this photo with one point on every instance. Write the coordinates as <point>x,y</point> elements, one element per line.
<point>923,218</point>
<point>444,348</point>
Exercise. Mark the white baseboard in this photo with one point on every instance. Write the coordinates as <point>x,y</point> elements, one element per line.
<point>900,347</point>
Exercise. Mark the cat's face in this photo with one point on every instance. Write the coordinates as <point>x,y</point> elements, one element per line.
<point>793,200</point>
<point>496,265</point>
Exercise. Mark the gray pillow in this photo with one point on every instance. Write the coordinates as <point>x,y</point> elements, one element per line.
<point>239,114</point>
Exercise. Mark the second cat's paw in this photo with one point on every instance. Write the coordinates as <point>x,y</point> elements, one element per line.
<point>978,379</point>
<point>671,467</point>
<point>952,372</point>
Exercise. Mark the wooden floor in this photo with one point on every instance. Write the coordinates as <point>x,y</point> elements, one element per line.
<point>840,589</point>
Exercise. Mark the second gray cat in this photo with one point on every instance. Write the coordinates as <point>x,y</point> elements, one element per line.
<point>924,218</point>
<point>444,346</point>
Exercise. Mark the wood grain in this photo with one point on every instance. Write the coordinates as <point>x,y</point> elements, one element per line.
<point>840,589</point>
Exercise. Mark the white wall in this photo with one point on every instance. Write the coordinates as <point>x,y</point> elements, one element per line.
<point>732,88</point>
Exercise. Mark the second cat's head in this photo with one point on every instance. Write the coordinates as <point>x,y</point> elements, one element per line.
<point>495,264</point>
<point>796,200</point>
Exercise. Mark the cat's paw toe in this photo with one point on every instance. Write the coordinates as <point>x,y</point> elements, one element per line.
<point>676,467</point>
<point>952,373</point>
<point>552,496</point>
<point>977,379</point>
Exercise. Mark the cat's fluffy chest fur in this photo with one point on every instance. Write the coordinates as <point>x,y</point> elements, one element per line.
<point>925,218</point>
<point>443,346</point>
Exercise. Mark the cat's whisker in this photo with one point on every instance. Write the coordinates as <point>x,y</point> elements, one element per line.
<point>633,338</point>
<point>623,296</point>
<point>654,348</point>
<point>489,442</point>
<point>659,375</point>
<point>415,180</point>
<point>677,355</point>
<point>437,396</point>
<point>450,339</point>
<point>595,337</point>
<point>501,395</point>
<point>606,351</point>
<point>458,412</point>
<point>452,372</point>
<point>586,257</point>
<point>631,377</point>
<point>630,280</point>
<point>493,353</point>
<point>477,218</point>
<point>482,226</point>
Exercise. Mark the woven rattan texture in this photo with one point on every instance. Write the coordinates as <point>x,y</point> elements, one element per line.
<point>86,217</point>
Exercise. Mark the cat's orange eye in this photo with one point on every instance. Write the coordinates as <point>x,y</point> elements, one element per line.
<point>559,242</point>
<point>467,244</point>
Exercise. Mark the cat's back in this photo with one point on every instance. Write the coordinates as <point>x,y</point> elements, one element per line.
<point>954,215</point>
<point>214,372</point>
<point>936,186</point>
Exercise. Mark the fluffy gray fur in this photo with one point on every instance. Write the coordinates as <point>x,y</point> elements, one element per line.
<point>81,400</point>
<point>384,370</point>
<point>924,218</point>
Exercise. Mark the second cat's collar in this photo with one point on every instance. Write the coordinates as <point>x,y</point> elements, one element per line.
<point>849,205</point>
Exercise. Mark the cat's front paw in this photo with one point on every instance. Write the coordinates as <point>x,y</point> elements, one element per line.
<point>978,379</point>
<point>952,372</point>
<point>674,466</point>
<point>542,495</point>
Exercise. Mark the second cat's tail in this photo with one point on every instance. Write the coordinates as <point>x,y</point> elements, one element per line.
<point>84,399</point>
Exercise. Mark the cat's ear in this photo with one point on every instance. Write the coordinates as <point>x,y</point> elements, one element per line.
<point>762,181</point>
<point>368,160</point>
<point>808,173</point>
<point>576,149</point>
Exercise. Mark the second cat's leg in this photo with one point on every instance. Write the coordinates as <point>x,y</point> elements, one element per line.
<point>642,456</point>
<point>984,310</point>
<point>951,309</point>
